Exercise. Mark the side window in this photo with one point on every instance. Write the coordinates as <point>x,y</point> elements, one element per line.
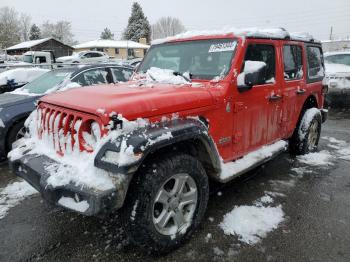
<point>40,59</point>
<point>262,53</point>
<point>92,77</point>
<point>315,68</point>
<point>121,74</point>
<point>293,62</point>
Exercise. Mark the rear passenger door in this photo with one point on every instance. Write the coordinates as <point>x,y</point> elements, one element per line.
<point>294,85</point>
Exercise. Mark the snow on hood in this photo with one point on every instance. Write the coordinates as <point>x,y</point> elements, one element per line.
<point>164,76</point>
<point>21,75</point>
<point>337,68</point>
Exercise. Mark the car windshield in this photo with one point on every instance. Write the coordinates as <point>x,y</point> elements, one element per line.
<point>202,59</point>
<point>28,58</point>
<point>343,59</point>
<point>46,81</point>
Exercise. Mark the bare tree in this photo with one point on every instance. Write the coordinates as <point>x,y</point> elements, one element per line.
<point>62,31</point>
<point>25,24</point>
<point>167,26</point>
<point>9,27</point>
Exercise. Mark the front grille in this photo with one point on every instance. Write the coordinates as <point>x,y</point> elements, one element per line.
<point>66,130</point>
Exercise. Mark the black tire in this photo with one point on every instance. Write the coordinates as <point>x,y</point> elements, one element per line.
<point>307,134</point>
<point>140,208</point>
<point>13,134</point>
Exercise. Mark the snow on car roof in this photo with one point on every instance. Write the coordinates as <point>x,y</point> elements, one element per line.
<point>345,52</point>
<point>271,33</point>
<point>28,44</point>
<point>111,43</point>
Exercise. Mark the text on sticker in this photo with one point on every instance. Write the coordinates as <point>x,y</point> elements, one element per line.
<point>222,47</point>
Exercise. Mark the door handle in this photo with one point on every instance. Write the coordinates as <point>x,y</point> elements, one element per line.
<point>301,91</point>
<point>275,98</point>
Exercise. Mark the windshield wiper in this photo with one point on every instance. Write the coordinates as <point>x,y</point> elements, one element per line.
<point>188,79</point>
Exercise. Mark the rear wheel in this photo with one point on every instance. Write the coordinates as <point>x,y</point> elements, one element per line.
<point>307,135</point>
<point>166,202</point>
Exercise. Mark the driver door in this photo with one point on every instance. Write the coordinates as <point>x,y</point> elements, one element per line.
<point>253,110</point>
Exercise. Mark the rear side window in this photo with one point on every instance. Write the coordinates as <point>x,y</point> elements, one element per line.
<point>92,77</point>
<point>343,59</point>
<point>121,74</point>
<point>263,53</point>
<point>293,62</point>
<point>315,68</point>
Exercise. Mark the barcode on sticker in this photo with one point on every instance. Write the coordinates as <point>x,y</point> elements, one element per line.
<point>222,47</point>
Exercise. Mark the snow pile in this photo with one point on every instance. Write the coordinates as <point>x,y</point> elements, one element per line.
<point>70,203</point>
<point>21,75</point>
<point>75,166</point>
<point>231,169</point>
<point>252,223</point>
<point>13,194</point>
<point>249,67</point>
<point>164,76</point>
<point>322,158</point>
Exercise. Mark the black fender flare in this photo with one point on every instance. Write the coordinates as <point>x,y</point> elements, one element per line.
<point>154,137</point>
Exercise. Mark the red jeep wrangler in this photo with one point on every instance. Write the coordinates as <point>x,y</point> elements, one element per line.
<point>199,107</point>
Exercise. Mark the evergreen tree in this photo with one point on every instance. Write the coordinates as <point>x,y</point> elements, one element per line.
<point>107,34</point>
<point>34,33</point>
<point>138,25</point>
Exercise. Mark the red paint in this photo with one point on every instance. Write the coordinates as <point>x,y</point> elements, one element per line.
<point>251,122</point>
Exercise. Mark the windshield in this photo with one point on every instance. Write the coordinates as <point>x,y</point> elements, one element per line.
<point>46,81</point>
<point>343,59</point>
<point>28,58</point>
<point>202,59</point>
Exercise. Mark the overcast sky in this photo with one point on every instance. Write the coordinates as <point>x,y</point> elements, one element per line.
<point>89,17</point>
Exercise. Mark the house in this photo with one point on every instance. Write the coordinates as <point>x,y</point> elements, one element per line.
<point>335,45</point>
<point>50,43</point>
<point>122,49</point>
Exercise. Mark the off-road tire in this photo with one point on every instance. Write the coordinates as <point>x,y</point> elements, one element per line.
<point>301,142</point>
<point>139,207</point>
<point>12,135</point>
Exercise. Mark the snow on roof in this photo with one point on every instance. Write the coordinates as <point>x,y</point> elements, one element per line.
<point>28,44</point>
<point>278,33</point>
<point>343,52</point>
<point>335,41</point>
<point>111,43</point>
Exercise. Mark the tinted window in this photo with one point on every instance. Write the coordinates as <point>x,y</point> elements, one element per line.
<point>266,54</point>
<point>293,62</point>
<point>41,59</point>
<point>92,77</point>
<point>121,74</point>
<point>95,55</point>
<point>314,61</point>
<point>343,59</point>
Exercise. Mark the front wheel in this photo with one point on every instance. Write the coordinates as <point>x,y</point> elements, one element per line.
<point>307,135</point>
<point>166,202</point>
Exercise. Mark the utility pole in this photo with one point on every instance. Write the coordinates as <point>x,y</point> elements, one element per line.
<point>331,34</point>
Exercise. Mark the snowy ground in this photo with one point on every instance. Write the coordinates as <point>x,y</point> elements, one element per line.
<point>292,209</point>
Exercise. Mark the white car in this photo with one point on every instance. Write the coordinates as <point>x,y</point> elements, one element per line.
<point>338,78</point>
<point>84,57</point>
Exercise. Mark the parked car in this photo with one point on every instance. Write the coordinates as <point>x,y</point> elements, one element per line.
<point>198,108</point>
<point>16,106</point>
<point>84,57</point>
<point>133,62</point>
<point>338,79</point>
<point>18,77</point>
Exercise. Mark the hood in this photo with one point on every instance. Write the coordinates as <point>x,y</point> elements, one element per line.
<point>133,101</point>
<point>9,99</point>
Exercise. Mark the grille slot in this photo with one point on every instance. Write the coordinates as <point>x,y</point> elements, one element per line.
<point>62,128</point>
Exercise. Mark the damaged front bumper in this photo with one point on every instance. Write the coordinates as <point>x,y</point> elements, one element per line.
<point>81,199</point>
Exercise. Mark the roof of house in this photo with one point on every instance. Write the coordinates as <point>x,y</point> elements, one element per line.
<point>111,43</point>
<point>29,44</point>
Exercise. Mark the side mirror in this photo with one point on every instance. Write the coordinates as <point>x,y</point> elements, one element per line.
<point>253,74</point>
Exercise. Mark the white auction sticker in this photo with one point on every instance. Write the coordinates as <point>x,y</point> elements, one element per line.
<point>222,47</point>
